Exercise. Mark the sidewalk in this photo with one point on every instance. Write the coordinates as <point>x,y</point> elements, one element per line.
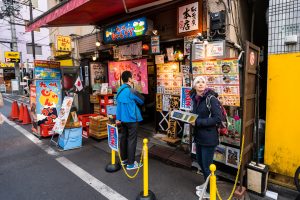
<point>224,187</point>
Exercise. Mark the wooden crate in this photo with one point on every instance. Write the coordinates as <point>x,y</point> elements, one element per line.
<point>94,98</point>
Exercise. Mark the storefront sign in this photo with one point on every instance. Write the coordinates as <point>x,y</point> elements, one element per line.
<point>64,112</point>
<point>138,68</point>
<point>188,18</point>
<point>46,63</point>
<point>215,49</point>
<point>113,140</point>
<point>47,73</point>
<point>185,99</point>
<point>63,43</point>
<point>155,45</point>
<point>7,64</point>
<point>127,30</point>
<point>12,57</point>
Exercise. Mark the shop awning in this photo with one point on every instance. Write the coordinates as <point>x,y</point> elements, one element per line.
<point>88,12</point>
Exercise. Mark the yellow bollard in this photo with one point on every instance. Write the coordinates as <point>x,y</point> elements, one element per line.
<point>113,157</point>
<point>113,166</point>
<point>145,170</point>
<point>146,194</point>
<point>213,182</point>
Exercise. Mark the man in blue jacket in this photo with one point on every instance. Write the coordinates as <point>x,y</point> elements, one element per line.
<point>128,113</point>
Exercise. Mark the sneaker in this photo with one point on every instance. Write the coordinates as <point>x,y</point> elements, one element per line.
<point>134,166</point>
<point>200,187</point>
<point>205,195</point>
<point>124,162</point>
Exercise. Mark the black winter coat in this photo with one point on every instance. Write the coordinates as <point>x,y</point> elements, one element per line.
<point>205,130</point>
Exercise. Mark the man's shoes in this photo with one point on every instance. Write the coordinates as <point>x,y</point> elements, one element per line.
<point>133,166</point>
<point>200,187</point>
<point>124,162</point>
<point>205,195</point>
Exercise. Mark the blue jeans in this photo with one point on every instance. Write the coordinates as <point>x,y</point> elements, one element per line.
<point>205,156</point>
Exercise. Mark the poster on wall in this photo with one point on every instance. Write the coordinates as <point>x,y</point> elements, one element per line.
<point>220,154</point>
<point>188,40</point>
<point>159,59</point>
<point>185,99</point>
<point>170,54</point>
<point>48,100</point>
<point>169,77</point>
<point>232,157</point>
<point>64,112</point>
<point>138,68</point>
<point>155,46</point>
<point>223,77</point>
<point>185,69</point>
<point>188,18</point>
<point>98,73</point>
<point>127,52</point>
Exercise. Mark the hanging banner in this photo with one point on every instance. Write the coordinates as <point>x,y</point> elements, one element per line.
<point>48,100</point>
<point>155,45</point>
<point>64,112</point>
<point>139,71</point>
<point>185,99</point>
<point>188,18</point>
<point>113,140</point>
<point>126,30</point>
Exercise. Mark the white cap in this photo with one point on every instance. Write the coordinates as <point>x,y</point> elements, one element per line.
<point>197,79</point>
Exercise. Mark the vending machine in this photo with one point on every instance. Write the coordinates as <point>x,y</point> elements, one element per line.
<point>45,96</point>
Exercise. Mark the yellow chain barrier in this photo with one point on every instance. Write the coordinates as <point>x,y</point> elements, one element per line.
<point>124,169</point>
<point>237,176</point>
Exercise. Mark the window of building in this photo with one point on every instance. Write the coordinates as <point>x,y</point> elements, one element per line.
<point>38,49</point>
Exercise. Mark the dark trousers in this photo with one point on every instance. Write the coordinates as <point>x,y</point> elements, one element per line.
<point>128,140</point>
<point>205,156</point>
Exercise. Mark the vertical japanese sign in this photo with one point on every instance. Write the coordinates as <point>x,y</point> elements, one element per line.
<point>155,46</point>
<point>113,140</point>
<point>64,112</point>
<point>185,99</point>
<point>48,100</point>
<point>63,43</point>
<point>188,18</point>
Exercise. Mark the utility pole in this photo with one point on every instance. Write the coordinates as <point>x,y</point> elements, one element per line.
<point>32,32</point>
<point>14,43</point>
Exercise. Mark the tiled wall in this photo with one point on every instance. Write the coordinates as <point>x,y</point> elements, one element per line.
<point>284,20</point>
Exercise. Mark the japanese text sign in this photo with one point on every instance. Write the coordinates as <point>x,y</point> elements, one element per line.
<point>188,16</point>
<point>185,99</point>
<point>112,133</point>
<point>127,30</point>
<point>63,43</point>
<point>11,56</point>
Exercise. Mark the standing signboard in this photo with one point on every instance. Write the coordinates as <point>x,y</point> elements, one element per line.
<point>113,140</point>
<point>185,99</point>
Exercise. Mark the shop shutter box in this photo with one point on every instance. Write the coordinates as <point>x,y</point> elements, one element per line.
<point>257,178</point>
<point>70,138</point>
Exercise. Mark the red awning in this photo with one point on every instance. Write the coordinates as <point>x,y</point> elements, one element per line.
<point>86,12</point>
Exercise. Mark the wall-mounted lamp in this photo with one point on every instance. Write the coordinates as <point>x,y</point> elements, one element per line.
<point>98,43</point>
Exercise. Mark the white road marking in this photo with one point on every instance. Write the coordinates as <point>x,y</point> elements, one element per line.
<point>99,186</point>
<point>32,138</point>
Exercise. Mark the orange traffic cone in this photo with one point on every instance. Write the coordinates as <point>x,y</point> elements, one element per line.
<point>14,111</point>
<point>20,119</point>
<point>26,116</point>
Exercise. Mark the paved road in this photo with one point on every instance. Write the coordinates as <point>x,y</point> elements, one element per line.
<point>32,169</point>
